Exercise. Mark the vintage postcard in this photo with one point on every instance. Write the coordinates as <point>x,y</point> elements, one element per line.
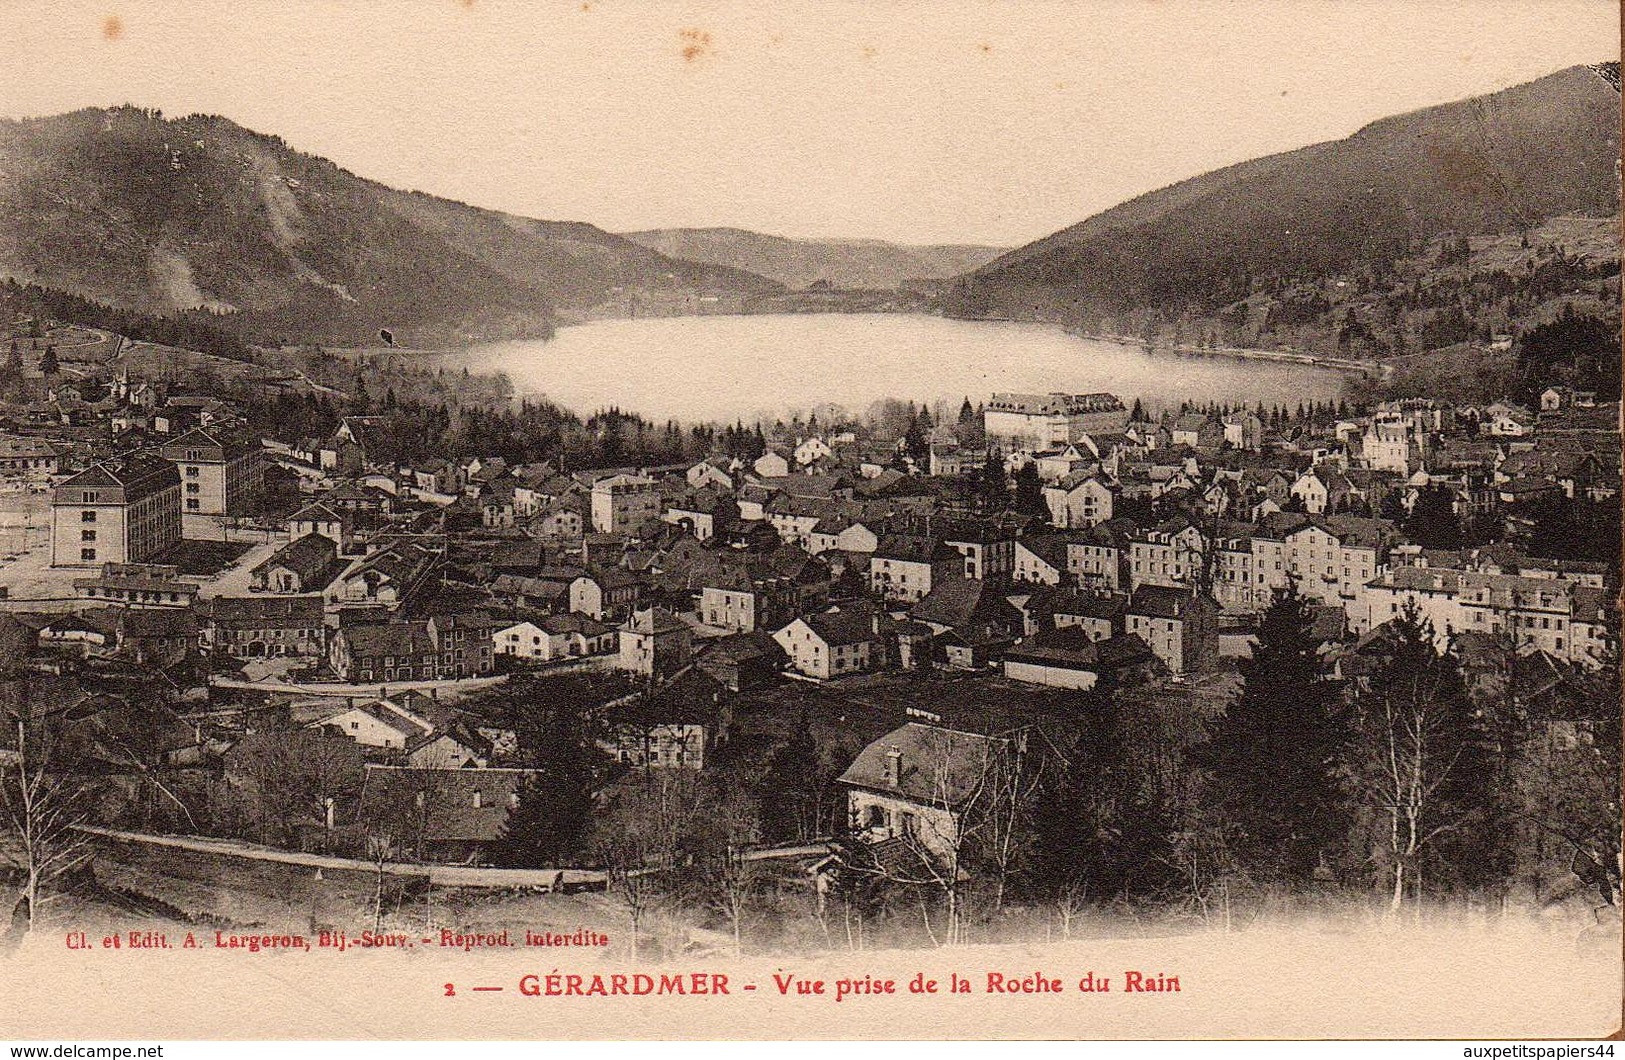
<point>607,520</point>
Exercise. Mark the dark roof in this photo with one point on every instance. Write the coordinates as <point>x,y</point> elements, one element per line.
<point>937,767</point>
<point>842,627</point>
<point>308,557</point>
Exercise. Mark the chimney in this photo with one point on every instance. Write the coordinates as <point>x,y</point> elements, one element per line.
<point>894,767</point>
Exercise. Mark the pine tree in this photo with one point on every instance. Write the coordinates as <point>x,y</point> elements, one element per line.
<point>1275,754</point>
<point>993,489</point>
<point>555,811</point>
<point>1030,491</point>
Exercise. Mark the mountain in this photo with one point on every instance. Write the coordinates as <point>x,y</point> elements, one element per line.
<point>162,215</point>
<point>852,264</point>
<point>1322,235</point>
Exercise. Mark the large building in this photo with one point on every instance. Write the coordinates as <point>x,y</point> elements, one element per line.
<point>1036,422</point>
<point>621,503</point>
<point>117,511</point>
<point>221,473</point>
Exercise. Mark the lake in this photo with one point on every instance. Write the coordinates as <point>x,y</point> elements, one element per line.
<point>719,368</point>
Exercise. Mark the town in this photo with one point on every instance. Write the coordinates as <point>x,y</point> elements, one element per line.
<point>979,659</point>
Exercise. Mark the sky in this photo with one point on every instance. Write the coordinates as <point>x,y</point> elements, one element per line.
<point>965,122</point>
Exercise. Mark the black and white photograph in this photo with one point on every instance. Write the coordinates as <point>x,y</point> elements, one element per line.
<point>990,520</point>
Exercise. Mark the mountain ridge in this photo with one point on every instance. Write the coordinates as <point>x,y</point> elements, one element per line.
<point>199,214</point>
<point>853,264</point>
<point>1507,160</point>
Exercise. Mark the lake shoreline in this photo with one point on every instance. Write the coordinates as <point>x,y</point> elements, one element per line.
<point>711,368</point>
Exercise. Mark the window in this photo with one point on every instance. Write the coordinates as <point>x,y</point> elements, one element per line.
<point>191,504</point>
<point>193,487</point>
<point>87,555</point>
<point>87,516</point>
<point>87,535</point>
<point>479,800</point>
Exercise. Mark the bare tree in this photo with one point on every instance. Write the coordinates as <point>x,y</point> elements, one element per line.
<point>44,810</point>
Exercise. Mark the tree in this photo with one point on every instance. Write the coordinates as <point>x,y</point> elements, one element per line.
<point>47,363</point>
<point>1432,522</point>
<point>993,486</point>
<point>1415,728</point>
<point>1274,757</point>
<point>1030,491</point>
<point>43,810</point>
<point>555,812</point>
<point>791,791</point>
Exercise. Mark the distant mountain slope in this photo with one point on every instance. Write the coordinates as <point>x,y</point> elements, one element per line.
<point>157,215</point>
<point>1504,162</point>
<point>846,263</point>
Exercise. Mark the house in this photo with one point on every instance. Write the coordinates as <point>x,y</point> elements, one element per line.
<point>757,591</point>
<point>382,723</point>
<point>1197,431</point>
<point>604,592</point>
<point>1079,500</point>
<point>1100,558</point>
<point>553,637</point>
<point>958,603</point>
<point>674,725</point>
<point>810,451</point>
<point>1099,615</point>
<point>306,565</point>
<point>442,647</point>
<point>771,465</point>
<point>1069,658</point>
<point>1040,559</point>
<point>1181,627</point>
<point>320,518</point>
<point>1323,490</point>
<point>701,511</point>
<point>391,576</point>
<point>912,785</point>
<point>743,661</point>
<point>623,503</point>
<point>138,585</point>
<point>1243,430</point>
<point>713,471</point>
<point>903,567</point>
<point>654,642</point>
<point>1171,553</point>
<point>448,815</point>
<point>256,628</point>
<point>830,644</point>
<point>28,457</point>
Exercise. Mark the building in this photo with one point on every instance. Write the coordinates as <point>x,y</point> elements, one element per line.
<point>221,473</point>
<point>1100,558</point>
<point>831,644</point>
<point>443,647</point>
<point>623,503</point>
<point>912,786</point>
<point>1038,422</point>
<point>1181,627</point>
<point>262,628</point>
<point>903,567</point>
<point>1567,621</point>
<point>28,458</point>
<point>305,565</point>
<point>1079,500</point>
<point>550,638</point>
<point>138,585</point>
<point>117,511</point>
<point>654,642</point>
